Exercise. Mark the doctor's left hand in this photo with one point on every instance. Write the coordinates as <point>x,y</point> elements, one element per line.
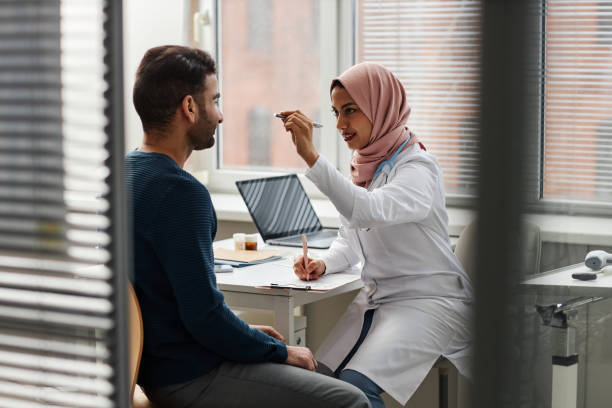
<point>269,330</point>
<point>315,268</point>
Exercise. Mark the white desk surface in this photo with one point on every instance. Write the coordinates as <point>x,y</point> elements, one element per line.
<point>560,282</point>
<point>244,280</point>
<point>242,291</point>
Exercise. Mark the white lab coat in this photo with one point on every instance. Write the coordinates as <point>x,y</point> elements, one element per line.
<point>397,230</point>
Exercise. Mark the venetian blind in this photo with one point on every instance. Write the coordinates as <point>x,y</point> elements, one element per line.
<point>59,334</point>
<point>433,47</point>
<point>577,162</point>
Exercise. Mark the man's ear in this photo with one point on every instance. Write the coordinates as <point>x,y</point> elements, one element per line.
<point>188,108</point>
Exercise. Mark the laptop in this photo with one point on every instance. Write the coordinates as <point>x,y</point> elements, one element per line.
<point>282,212</point>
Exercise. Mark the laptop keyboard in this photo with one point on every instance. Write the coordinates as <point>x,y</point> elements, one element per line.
<point>321,234</point>
<point>321,239</point>
<point>311,236</point>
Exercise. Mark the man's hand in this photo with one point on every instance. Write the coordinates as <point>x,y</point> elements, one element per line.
<point>270,331</point>
<point>301,357</point>
<point>315,268</point>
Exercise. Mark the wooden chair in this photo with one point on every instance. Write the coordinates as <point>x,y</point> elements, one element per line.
<point>137,396</point>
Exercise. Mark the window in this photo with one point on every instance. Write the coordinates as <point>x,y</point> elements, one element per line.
<point>434,49</point>
<point>292,70</point>
<point>267,63</point>
<point>577,162</point>
<point>434,46</point>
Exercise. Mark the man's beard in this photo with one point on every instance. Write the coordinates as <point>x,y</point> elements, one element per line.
<point>202,134</point>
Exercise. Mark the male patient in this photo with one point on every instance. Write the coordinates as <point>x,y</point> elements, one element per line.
<point>197,353</point>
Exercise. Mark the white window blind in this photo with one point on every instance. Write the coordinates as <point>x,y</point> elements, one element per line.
<point>433,47</point>
<point>59,334</point>
<point>577,163</point>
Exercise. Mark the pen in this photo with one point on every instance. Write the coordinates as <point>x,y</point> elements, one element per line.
<point>279,286</point>
<point>314,124</point>
<point>305,248</point>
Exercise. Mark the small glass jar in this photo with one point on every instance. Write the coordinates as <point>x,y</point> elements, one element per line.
<point>239,241</point>
<point>250,242</point>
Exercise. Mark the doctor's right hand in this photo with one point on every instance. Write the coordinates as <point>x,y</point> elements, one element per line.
<point>300,127</point>
<point>301,357</point>
<point>315,268</point>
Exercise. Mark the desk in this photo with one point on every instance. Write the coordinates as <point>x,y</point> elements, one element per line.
<point>559,282</point>
<point>281,302</point>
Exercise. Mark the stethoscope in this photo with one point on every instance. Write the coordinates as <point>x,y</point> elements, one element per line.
<point>390,162</point>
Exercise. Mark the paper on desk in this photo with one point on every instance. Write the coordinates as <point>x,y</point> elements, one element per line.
<point>324,283</point>
<point>281,273</point>
<point>243,256</point>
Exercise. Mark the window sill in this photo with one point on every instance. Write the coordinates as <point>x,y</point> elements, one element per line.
<point>570,229</point>
<point>554,228</point>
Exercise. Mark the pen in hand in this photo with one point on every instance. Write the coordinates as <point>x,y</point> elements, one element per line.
<point>305,248</point>
<point>314,124</point>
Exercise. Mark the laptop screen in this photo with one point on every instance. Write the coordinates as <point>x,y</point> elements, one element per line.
<point>279,206</point>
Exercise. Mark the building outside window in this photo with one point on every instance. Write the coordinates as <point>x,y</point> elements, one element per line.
<point>267,63</point>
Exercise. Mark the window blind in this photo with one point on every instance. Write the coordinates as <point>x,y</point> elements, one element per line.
<point>433,47</point>
<point>577,162</point>
<point>60,337</point>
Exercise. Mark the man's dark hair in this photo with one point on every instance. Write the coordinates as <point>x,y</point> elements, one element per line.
<point>165,76</point>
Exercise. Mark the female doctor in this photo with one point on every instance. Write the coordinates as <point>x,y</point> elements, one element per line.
<point>416,302</point>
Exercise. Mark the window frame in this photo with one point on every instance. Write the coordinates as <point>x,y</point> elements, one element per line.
<point>337,20</point>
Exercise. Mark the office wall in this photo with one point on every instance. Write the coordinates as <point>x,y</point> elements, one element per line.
<point>146,23</point>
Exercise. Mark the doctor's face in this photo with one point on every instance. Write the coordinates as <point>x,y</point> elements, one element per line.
<point>353,124</point>
<point>202,134</point>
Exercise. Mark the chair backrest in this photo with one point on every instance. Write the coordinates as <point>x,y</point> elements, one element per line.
<point>136,337</point>
<point>465,248</point>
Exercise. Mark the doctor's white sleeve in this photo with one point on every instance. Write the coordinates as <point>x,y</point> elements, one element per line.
<point>407,198</point>
<point>340,256</point>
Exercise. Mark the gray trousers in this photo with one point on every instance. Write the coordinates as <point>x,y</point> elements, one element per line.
<point>267,385</point>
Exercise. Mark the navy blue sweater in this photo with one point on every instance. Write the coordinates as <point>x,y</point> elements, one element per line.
<point>188,328</point>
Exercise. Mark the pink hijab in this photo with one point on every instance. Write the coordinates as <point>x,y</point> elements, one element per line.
<point>381,97</point>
